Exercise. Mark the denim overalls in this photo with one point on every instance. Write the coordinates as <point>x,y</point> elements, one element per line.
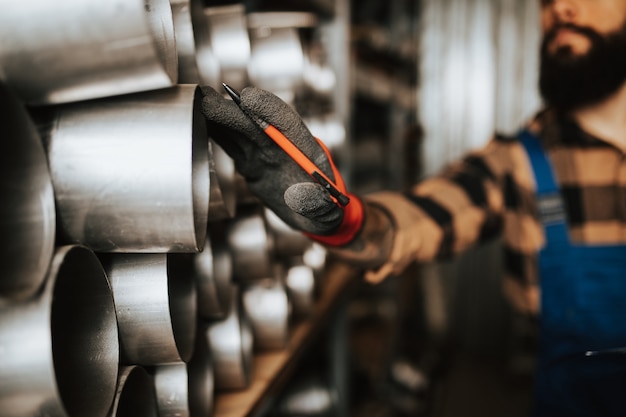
<point>581,360</point>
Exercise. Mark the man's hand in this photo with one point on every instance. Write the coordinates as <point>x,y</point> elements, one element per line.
<point>271,174</point>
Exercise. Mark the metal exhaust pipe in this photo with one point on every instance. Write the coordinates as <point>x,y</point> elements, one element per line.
<point>201,378</point>
<point>287,240</point>
<point>251,246</point>
<point>213,270</point>
<point>231,343</point>
<point>64,51</point>
<point>268,309</point>
<point>315,257</point>
<point>304,278</point>
<point>318,76</point>
<point>302,288</point>
<point>186,389</point>
<point>156,306</point>
<point>276,61</point>
<point>330,128</point>
<point>135,395</point>
<point>230,42</point>
<point>171,383</point>
<point>131,173</point>
<point>196,62</point>
<point>309,395</point>
<point>27,212</point>
<point>223,190</point>
<point>60,350</point>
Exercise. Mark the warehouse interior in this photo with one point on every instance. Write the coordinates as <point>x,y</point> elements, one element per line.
<point>143,277</point>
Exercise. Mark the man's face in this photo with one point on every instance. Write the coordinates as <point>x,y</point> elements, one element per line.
<point>583,54</point>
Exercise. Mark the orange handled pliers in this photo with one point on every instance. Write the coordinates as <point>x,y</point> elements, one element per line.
<point>294,153</point>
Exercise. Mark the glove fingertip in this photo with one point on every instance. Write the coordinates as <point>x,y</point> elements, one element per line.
<point>312,200</point>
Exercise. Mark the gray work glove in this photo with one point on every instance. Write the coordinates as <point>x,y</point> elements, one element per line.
<point>271,175</point>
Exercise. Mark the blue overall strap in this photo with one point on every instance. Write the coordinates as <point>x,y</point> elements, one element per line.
<point>549,202</point>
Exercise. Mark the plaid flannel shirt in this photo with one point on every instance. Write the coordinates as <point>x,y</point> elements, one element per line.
<point>491,191</point>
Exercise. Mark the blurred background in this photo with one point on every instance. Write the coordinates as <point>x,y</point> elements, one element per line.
<point>142,278</point>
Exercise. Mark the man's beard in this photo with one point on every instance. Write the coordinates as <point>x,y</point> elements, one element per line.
<point>568,82</point>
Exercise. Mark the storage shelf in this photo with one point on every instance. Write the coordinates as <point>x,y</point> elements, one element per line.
<point>273,369</point>
<point>378,86</point>
<point>324,8</point>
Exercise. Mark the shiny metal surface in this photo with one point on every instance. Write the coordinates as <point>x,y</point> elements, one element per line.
<point>27,212</point>
<point>223,188</point>
<point>315,258</point>
<point>131,173</point>
<point>250,245</point>
<point>329,128</point>
<point>60,350</point>
<point>231,343</point>
<point>135,395</point>
<point>186,390</point>
<point>308,396</point>
<point>201,378</point>
<point>268,309</point>
<point>318,76</point>
<point>301,287</point>
<point>171,384</point>
<point>71,50</point>
<point>193,42</point>
<point>287,241</point>
<point>156,306</point>
<point>276,61</point>
<point>230,42</point>
<point>213,271</point>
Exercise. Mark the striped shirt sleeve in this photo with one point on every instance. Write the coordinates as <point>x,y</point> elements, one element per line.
<point>471,201</point>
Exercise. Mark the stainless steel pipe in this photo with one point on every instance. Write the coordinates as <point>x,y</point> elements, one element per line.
<point>230,42</point>
<point>201,378</point>
<point>60,350</point>
<point>197,64</point>
<point>155,300</point>
<point>304,278</point>
<point>268,308</point>
<point>329,128</point>
<point>27,212</point>
<point>251,246</point>
<point>186,390</point>
<point>171,384</point>
<point>135,396</point>
<point>223,187</point>
<point>213,271</point>
<point>131,173</point>
<point>318,76</point>
<point>287,241</point>
<point>315,257</point>
<point>72,50</point>
<point>232,344</point>
<point>302,288</point>
<point>276,61</point>
<point>310,395</point>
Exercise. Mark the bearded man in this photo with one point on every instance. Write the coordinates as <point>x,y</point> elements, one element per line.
<point>556,192</point>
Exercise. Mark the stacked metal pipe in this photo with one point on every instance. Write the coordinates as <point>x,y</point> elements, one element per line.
<point>137,280</point>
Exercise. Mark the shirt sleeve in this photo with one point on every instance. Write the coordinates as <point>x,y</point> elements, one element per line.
<point>448,213</point>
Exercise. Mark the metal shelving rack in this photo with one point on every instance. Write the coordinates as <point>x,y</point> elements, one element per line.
<point>384,79</point>
<point>274,369</point>
<point>325,333</point>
